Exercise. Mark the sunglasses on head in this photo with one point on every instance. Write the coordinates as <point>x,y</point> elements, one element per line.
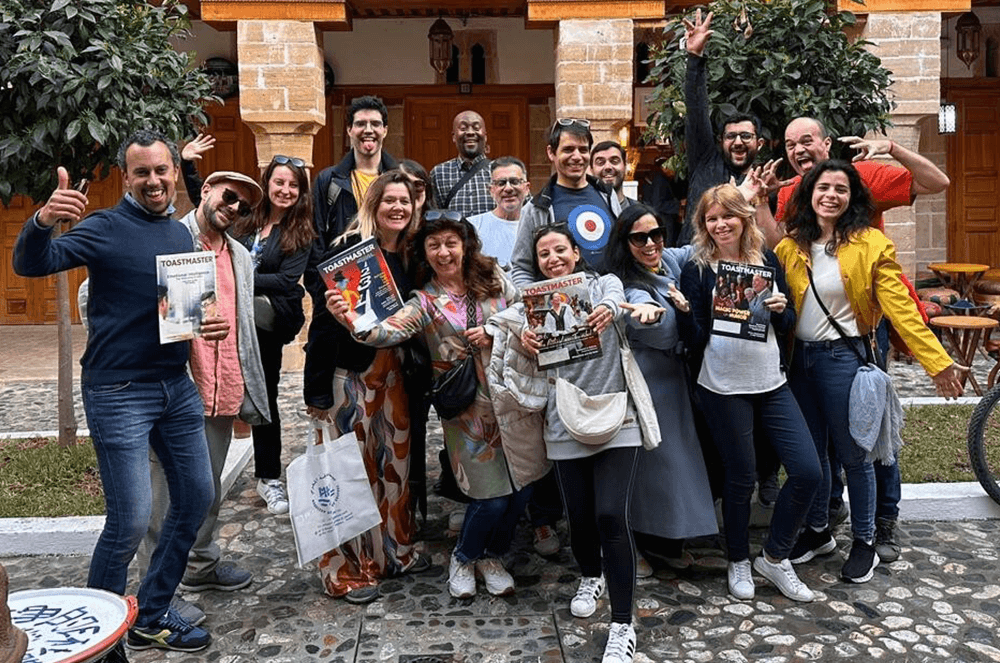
<point>640,239</point>
<point>447,214</point>
<point>567,121</point>
<point>282,160</point>
<point>229,197</point>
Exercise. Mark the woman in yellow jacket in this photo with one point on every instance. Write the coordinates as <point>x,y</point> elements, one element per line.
<point>856,278</point>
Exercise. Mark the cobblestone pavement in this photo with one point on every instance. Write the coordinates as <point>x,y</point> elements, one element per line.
<point>939,602</point>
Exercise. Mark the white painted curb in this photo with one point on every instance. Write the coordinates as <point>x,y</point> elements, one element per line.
<point>78,535</point>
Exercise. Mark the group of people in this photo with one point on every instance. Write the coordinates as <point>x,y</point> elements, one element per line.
<point>461,243</point>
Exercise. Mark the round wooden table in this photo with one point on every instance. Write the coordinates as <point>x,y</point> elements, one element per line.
<point>963,333</point>
<point>959,275</point>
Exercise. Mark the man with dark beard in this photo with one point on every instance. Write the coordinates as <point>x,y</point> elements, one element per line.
<point>711,161</point>
<point>463,183</point>
<point>608,164</point>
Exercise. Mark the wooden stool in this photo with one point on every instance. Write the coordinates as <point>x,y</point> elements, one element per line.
<point>959,275</point>
<point>963,333</point>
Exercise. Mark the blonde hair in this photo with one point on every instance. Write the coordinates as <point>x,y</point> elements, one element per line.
<point>364,223</point>
<point>731,200</point>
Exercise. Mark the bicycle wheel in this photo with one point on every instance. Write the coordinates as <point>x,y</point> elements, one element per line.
<point>984,442</point>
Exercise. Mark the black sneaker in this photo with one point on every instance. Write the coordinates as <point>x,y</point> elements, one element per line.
<point>860,565</point>
<point>115,655</point>
<point>811,544</point>
<point>169,632</point>
<point>885,539</point>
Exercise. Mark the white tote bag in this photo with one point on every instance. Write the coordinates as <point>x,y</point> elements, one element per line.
<point>330,499</point>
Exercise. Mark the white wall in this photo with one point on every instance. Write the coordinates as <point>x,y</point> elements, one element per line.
<point>396,51</point>
<point>207,42</point>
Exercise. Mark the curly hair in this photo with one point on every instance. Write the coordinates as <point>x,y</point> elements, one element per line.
<point>478,271</point>
<point>618,256</point>
<point>296,222</point>
<point>731,200</point>
<point>803,226</point>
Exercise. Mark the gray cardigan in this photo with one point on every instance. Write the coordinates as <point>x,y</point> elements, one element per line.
<point>254,410</point>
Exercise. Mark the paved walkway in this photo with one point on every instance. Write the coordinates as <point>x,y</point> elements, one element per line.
<point>939,602</point>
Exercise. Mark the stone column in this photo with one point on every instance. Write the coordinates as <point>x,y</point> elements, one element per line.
<point>594,72</point>
<point>281,86</point>
<point>909,46</point>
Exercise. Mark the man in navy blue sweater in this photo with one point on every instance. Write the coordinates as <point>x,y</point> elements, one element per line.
<point>136,392</point>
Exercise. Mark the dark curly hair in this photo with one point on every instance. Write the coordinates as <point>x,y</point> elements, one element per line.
<point>617,255</point>
<point>297,221</point>
<point>560,229</point>
<point>478,271</point>
<point>802,224</point>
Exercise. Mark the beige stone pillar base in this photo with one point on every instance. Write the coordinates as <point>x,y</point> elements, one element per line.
<point>292,139</point>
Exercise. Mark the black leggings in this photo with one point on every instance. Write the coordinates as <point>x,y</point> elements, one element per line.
<point>596,492</point>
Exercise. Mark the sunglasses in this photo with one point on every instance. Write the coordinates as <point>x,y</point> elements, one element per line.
<point>639,240</point>
<point>229,197</point>
<point>567,121</point>
<point>282,160</point>
<point>504,181</point>
<point>446,214</point>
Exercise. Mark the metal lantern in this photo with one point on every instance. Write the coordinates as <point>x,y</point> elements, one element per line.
<point>969,30</point>
<point>441,38</point>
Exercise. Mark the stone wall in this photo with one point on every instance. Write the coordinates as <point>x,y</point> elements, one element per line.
<point>594,72</point>
<point>909,46</point>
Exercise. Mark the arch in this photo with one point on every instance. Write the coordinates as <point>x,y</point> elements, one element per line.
<point>478,64</point>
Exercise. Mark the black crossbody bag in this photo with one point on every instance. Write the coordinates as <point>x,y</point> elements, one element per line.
<point>871,347</point>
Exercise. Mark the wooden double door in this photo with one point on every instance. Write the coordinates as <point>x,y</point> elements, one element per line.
<point>974,170</point>
<point>429,123</point>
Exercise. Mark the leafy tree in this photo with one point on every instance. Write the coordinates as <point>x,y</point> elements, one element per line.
<point>778,60</point>
<point>78,76</point>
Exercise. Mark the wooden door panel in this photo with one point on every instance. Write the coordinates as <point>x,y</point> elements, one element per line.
<point>974,195</point>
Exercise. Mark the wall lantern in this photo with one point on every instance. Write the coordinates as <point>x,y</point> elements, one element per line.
<point>969,30</point>
<point>441,38</point>
<point>946,118</point>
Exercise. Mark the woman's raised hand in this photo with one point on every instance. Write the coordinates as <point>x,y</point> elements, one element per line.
<point>948,382</point>
<point>644,312</point>
<point>194,149</point>
<point>337,306</point>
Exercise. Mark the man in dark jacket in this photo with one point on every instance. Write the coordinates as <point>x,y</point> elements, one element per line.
<point>338,191</point>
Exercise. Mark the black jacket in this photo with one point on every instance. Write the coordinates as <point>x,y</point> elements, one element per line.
<point>277,276</point>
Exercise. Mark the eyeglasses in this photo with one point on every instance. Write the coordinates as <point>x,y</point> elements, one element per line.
<point>447,214</point>
<point>282,160</point>
<point>639,240</point>
<point>745,136</point>
<point>374,124</point>
<point>230,197</point>
<point>567,121</point>
<point>504,181</point>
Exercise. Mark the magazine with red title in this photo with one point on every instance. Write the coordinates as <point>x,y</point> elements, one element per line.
<point>362,275</point>
<point>557,310</point>
<point>738,308</point>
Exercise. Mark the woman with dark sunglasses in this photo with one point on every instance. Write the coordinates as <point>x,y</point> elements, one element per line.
<point>423,188</point>
<point>677,499</point>
<point>278,236</point>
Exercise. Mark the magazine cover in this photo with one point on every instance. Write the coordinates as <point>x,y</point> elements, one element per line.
<point>557,311</point>
<point>738,308</point>
<point>363,276</point>
<point>185,285</point>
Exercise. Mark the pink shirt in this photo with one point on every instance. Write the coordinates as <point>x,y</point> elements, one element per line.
<point>215,365</point>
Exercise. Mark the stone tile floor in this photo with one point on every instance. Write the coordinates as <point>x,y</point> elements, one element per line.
<point>939,602</point>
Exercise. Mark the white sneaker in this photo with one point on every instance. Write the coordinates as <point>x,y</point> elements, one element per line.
<point>741,580</point>
<point>546,541</point>
<point>784,578</point>
<point>461,579</point>
<point>273,492</point>
<point>642,567</point>
<point>621,644</point>
<point>498,581</point>
<point>584,604</point>
<point>455,521</point>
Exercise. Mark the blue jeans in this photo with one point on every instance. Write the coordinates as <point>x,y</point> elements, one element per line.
<point>822,374</point>
<point>731,419</point>
<point>489,525</point>
<point>121,418</point>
